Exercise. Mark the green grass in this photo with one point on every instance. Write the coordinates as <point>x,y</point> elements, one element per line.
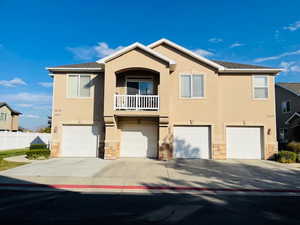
<point>13,152</point>
<point>4,165</point>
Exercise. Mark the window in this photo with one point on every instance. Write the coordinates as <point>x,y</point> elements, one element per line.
<point>286,106</point>
<point>192,86</point>
<point>282,134</point>
<point>3,116</point>
<point>260,87</point>
<point>139,87</point>
<point>79,86</point>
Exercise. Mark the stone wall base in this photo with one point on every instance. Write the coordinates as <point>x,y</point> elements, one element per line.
<point>271,150</point>
<point>55,149</point>
<point>165,151</point>
<point>218,151</point>
<point>111,150</point>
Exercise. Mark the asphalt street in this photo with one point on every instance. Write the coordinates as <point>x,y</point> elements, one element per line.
<point>66,207</point>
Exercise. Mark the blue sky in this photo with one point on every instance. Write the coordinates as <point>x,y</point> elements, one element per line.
<point>37,34</point>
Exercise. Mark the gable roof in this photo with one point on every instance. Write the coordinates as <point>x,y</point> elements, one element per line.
<point>90,66</point>
<point>223,67</point>
<point>233,65</point>
<point>186,51</point>
<point>133,46</point>
<point>12,111</point>
<point>289,119</point>
<point>291,87</point>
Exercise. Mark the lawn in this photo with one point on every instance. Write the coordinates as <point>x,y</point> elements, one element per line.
<point>4,165</point>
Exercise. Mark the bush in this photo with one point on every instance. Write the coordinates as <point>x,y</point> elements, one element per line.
<point>287,157</point>
<point>38,154</point>
<point>38,146</point>
<point>294,146</point>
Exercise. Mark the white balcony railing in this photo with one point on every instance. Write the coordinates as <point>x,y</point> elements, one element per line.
<point>136,102</point>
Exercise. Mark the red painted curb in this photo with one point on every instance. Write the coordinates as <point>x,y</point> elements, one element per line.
<point>144,187</point>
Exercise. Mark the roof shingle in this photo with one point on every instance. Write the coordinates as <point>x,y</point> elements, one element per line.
<point>12,110</point>
<point>233,65</point>
<point>293,87</point>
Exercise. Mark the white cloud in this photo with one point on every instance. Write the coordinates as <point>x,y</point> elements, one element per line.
<point>295,68</point>
<point>12,83</point>
<point>236,44</point>
<point>31,116</point>
<point>26,97</point>
<point>89,52</point>
<point>46,84</point>
<point>215,40</point>
<point>24,105</point>
<point>293,26</point>
<point>103,49</point>
<point>290,67</point>
<point>203,52</point>
<point>278,56</point>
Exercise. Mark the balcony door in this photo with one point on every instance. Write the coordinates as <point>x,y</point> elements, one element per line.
<point>139,87</point>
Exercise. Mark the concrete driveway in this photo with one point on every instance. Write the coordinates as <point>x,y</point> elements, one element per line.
<point>193,173</point>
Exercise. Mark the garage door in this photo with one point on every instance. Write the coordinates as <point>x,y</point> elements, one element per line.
<point>139,140</point>
<point>244,142</point>
<point>191,142</point>
<point>79,141</point>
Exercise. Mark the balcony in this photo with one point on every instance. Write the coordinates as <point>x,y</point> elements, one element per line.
<point>136,102</point>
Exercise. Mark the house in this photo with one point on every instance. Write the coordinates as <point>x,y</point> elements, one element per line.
<point>163,101</point>
<point>9,118</point>
<point>288,111</point>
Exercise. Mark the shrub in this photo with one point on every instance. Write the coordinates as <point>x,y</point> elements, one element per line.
<point>294,146</point>
<point>38,146</point>
<point>287,157</point>
<point>38,154</point>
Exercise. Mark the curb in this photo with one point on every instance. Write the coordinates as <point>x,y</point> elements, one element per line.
<point>144,187</point>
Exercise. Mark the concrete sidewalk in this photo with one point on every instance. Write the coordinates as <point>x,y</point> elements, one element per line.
<point>201,174</point>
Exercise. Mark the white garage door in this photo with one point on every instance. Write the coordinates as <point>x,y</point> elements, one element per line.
<point>244,142</point>
<point>139,140</point>
<point>191,142</point>
<point>79,141</point>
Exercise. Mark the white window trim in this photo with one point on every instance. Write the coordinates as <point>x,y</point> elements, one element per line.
<point>4,116</point>
<point>78,97</point>
<point>267,86</point>
<point>282,107</point>
<point>192,74</point>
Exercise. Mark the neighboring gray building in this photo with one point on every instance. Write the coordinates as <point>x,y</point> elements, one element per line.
<point>288,112</point>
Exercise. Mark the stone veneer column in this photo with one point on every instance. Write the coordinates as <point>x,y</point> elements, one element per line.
<point>271,150</point>
<point>218,151</point>
<point>111,142</point>
<point>165,143</point>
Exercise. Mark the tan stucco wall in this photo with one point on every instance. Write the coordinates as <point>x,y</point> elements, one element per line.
<point>227,102</point>
<point>7,124</point>
<point>15,122</point>
<point>75,111</point>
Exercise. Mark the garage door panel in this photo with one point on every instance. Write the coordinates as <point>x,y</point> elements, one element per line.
<point>244,142</point>
<point>79,141</point>
<point>139,140</point>
<point>191,142</point>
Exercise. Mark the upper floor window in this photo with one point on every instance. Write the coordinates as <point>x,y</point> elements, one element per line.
<point>79,86</point>
<point>3,116</point>
<point>260,87</point>
<point>286,106</point>
<point>192,86</point>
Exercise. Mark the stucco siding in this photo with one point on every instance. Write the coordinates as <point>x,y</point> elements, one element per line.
<point>6,124</point>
